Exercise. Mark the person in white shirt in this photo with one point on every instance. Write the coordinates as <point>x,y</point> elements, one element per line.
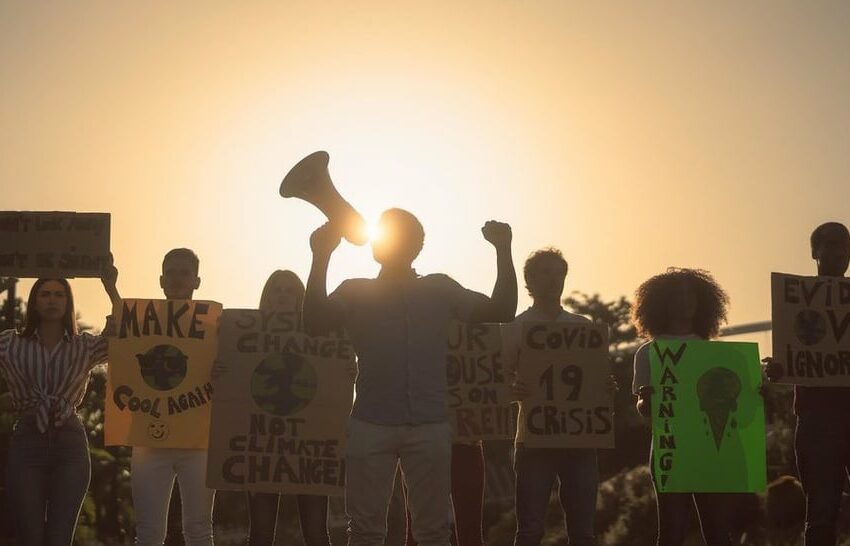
<point>537,468</point>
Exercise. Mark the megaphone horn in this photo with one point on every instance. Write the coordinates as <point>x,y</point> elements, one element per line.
<point>310,180</point>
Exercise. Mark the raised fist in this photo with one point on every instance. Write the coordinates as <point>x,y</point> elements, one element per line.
<point>497,234</point>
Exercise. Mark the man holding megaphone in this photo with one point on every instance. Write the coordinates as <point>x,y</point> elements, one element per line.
<point>398,324</point>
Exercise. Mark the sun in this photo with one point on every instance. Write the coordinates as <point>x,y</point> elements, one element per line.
<point>373,231</point>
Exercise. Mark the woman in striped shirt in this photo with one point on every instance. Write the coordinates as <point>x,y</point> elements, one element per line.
<point>47,368</point>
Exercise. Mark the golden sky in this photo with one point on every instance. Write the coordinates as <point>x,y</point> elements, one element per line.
<point>633,136</point>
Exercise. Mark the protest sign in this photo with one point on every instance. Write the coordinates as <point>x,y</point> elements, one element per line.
<point>708,431</point>
<point>280,418</point>
<point>811,329</point>
<point>53,244</point>
<point>158,383</point>
<point>566,366</point>
<point>479,389</point>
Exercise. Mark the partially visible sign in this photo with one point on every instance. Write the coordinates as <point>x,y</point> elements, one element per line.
<point>53,244</point>
<point>811,329</point>
<point>479,390</point>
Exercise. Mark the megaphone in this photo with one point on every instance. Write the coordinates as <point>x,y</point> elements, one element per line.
<point>310,180</point>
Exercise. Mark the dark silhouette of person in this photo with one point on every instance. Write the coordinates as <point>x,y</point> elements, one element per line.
<point>537,469</point>
<point>822,439</point>
<point>399,325</point>
<point>680,304</point>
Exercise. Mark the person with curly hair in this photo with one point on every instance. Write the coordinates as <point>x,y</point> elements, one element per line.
<point>680,304</point>
<point>822,438</point>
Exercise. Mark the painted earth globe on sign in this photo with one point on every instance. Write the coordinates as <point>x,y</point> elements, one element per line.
<point>163,367</point>
<point>283,384</point>
<point>809,327</point>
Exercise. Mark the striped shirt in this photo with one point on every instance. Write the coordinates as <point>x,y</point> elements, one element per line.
<point>50,383</point>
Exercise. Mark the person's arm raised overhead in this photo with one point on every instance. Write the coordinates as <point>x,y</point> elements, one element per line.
<point>321,314</point>
<point>501,306</point>
<point>109,278</point>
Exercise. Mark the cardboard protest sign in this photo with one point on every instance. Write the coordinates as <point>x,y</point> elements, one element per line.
<point>53,244</point>
<point>708,431</point>
<point>280,418</point>
<point>158,384</point>
<point>566,366</point>
<point>811,329</point>
<point>479,390</point>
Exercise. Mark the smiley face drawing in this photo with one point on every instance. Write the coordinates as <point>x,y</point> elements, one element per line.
<point>158,430</point>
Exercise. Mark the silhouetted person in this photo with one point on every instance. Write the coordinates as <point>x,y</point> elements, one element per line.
<point>822,441</point>
<point>283,293</point>
<point>154,469</point>
<point>537,469</point>
<point>680,304</point>
<point>47,368</point>
<point>398,324</point>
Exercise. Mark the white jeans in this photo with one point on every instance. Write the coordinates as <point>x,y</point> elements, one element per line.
<point>152,478</point>
<point>372,455</point>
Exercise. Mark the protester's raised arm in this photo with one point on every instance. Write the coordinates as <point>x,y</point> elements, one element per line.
<point>109,278</point>
<point>501,306</point>
<point>321,314</point>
